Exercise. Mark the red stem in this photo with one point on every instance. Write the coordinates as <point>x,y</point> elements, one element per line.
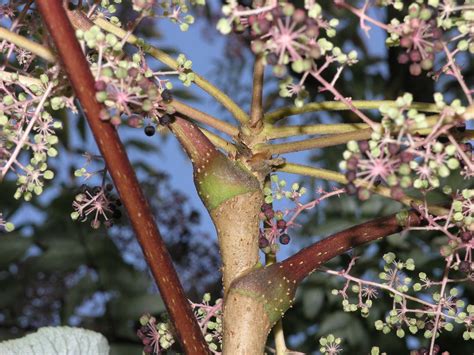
<point>303,263</point>
<point>125,180</point>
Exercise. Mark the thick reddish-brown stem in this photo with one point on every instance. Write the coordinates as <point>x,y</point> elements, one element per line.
<point>272,288</point>
<point>307,260</point>
<point>123,175</point>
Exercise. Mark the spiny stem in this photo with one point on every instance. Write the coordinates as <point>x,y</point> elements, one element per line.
<point>320,142</point>
<point>205,118</point>
<point>124,177</point>
<point>278,114</point>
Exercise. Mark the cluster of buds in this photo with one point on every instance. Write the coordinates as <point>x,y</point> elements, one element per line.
<point>159,336</point>
<point>419,36</point>
<point>286,36</point>
<point>155,336</point>
<point>274,228</point>
<point>97,203</point>
<point>399,157</point>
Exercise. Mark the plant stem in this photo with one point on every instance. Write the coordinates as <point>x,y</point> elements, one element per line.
<point>123,175</point>
<point>278,114</point>
<point>25,43</point>
<point>158,54</point>
<point>340,178</point>
<point>205,118</point>
<point>306,261</point>
<point>320,142</point>
<point>219,141</point>
<point>289,131</point>
<point>256,108</point>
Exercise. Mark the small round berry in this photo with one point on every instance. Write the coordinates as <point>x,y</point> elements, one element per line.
<point>272,59</point>
<point>350,175</point>
<point>284,239</point>
<point>266,206</point>
<point>165,119</point>
<point>281,224</point>
<point>100,85</point>
<point>465,266</point>
<point>269,214</point>
<point>363,146</point>
<point>109,187</point>
<point>263,242</point>
<point>466,236</point>
<point>166,96</point>
<point>150,130</point>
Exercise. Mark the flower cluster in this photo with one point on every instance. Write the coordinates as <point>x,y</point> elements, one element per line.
<point>330,345</point>
<point>430,318</point>
<point>99,203</point>
<point>129,89</point>
<point>177,10</point>
<point>287,36</point>
<point>400,157</point>
<point>419,36</point>
<point>159,336</point>
<point>155,336</point>
<point>209,317</point>
<point>26,125</point>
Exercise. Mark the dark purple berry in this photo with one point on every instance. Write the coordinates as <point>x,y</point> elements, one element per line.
<point>352,163</point>
<point>150,130</point>
<point>363,146</point>
<point>351,175</point>
<point>436,349</point>
<point>263,242</point>
<point>429,326</point>
<point>165,119</point>
<point>272,59</point>
<point>109,187</point>
<point>406,157</point>
<point>281,224</point>
<point>465,266</point>
<point>133,72</point>
<point>166,96</point>
<point>269,213</point>
<point>466,236</point>
<point>100,85</point>
<point>266,206</point>
<point>284,239</point>
<point>393,148</point>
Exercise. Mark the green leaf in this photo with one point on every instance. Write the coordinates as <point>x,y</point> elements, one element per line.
<point>57,341</point>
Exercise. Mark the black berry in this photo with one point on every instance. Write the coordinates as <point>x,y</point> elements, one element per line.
<point>165,119</point>
<point>166,96</point>
<point>263,242</point>
<point>266,206</point>
<point>281,224</point>
<point>150,130</point>
<point>284,239</point>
